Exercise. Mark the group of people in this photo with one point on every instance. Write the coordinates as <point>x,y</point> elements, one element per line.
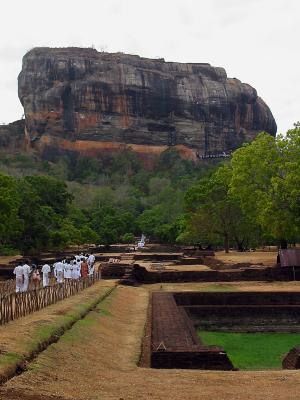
<point>81,266</point>
<point>22,272</point>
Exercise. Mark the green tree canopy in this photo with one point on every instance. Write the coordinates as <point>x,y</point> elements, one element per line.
<point>266,179</point>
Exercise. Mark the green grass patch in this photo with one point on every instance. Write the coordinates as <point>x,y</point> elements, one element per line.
<point>104,312</point>
<point>253,351</point>
<point>103,307</point>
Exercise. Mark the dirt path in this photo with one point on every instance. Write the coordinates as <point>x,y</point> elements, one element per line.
<point>96,360</point>
<point>267,258</point>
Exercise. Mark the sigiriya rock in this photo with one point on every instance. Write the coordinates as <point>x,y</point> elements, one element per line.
<point>78,99</point>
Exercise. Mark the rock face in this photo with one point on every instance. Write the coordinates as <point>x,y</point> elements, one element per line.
<point>81,100</point>
<point>12,136</point>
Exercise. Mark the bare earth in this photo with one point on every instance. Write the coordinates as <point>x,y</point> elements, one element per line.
<point>172,267</point>
<point>267,258</point>
<point>97,359</point>
<point>14,334</point>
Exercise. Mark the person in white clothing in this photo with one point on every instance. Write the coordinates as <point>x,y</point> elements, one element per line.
<point>46,271</point>
<point>73,269</point>
<point>78,270</point>
<point>91,259</point>
<point>59,271</point>
<point>67,270</point>
<point>26,273</point>
<point>18,271</point>
<point>90,262</point>
<point>91,269</point>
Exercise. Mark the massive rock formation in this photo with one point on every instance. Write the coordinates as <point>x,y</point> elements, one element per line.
<point>12,137</point>
<point>81,100</point>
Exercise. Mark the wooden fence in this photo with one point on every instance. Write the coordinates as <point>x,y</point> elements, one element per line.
<point>16,305</point>
<point>7,286</point>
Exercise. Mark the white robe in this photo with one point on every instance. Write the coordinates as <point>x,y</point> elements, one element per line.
<point>73,271</point>
<point>91,259</point>
<point>26,272</point>
<point>67,271</point>
<point>46,270</point>
<point>91,269</point>
<point>59,272</point>
<point>18,271</point>
<point>77,270</point>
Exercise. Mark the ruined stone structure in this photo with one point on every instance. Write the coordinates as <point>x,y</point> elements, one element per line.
<point>292,359</point>
<point>175,315</point>
<point>82,100</point>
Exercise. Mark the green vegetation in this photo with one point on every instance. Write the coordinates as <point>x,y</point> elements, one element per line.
<point>253,199</point>
<point>249,200</point>
<point>75,200</point>
<point>253,351</point>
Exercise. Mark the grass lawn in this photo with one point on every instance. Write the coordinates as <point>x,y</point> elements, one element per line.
<point>253,351</point>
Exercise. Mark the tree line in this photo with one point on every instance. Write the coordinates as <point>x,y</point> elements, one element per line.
<point>70,199</point>
<point>251,199</point>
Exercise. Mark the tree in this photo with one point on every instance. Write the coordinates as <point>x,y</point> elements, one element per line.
<point>10,223</point>
<point>43,206</point>
<point>266,179</point>
<point>51,192</point>
<point>128,238</point>
<point>215,213</point>
<point>110,224</point>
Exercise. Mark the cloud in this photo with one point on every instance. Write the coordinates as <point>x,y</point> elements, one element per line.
<point>11,54</point>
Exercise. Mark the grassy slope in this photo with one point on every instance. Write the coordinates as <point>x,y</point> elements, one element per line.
<point>97,362</point>
<point>250,351</point>
<point>47,325</point>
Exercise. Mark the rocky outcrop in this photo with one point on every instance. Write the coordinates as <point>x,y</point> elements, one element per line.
<point>12,136</point>
<point>81,100</point>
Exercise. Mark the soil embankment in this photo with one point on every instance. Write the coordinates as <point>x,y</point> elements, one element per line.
<point>97,359</point>
<point>24,338</point>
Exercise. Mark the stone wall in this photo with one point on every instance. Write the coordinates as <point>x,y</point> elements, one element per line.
<point>242,312</point>
<point>174,341</point>
<point>292,359</point>
<point>141,274</point>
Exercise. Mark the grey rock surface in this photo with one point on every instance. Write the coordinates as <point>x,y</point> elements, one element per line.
<point>79,94</point>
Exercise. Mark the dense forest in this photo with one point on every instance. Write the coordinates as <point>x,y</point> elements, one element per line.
<point>251,199</point>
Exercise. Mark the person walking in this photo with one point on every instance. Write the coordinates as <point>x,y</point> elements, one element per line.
<point>91,259</point>
<point>46,269</point>
<point>26,273</point>
<point>36,278</point>
<point>67,270</point>
<point>59,271</point>
<point>84,269</point>
<point>78,270</point>
<point>18,271</point>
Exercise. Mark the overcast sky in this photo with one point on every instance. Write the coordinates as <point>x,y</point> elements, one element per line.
<point>256,41</point>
